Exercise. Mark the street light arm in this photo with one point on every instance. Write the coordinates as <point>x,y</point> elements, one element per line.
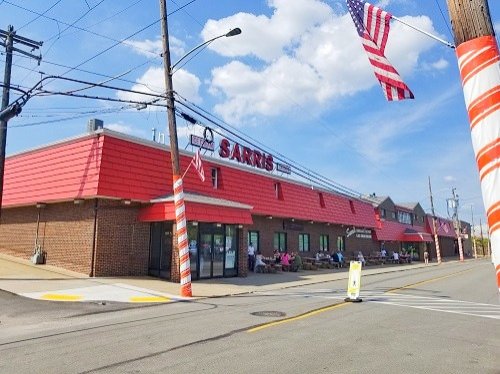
<point>233,32</point>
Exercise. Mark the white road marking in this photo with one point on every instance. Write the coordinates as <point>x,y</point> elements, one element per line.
<point>432,303</point>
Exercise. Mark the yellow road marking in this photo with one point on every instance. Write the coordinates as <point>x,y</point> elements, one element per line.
<point>149,299</point>
<point>59,297</point>
<point>428,281</point>
<point>300,316</point>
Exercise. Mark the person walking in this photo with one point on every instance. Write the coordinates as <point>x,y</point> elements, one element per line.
<point>426,257</point>
<point>251,257</point>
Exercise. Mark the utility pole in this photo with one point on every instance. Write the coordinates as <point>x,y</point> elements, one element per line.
<point>180,216</point>
<point>472,233</point>
<point>436,239</point>
<point>482,238</point>
<point>10,38</point>
<point>478,61</point>
<point>456,223</point>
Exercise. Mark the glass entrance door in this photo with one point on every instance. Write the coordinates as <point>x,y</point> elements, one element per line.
<point>212,252</point>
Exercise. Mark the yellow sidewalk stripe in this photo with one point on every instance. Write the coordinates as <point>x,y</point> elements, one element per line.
<point>59,297</point>
<point>149,299</point>
<point>300,316</point>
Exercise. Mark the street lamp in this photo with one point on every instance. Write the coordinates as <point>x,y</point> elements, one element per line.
<point>184,265</point>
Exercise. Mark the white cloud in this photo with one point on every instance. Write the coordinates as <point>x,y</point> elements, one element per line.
<point>440,64</point>
<point>449,178</point>
<point>121,127</point>
<point>153,81</point>
<point>154,47</point>
<point>315,57</point>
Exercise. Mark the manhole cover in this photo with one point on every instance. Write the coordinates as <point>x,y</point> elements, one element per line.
<point>269,313</point>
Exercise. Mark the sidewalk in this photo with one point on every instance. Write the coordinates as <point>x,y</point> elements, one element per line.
<point>46,282</point>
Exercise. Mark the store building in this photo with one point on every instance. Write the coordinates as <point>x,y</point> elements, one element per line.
<point>101,204</point>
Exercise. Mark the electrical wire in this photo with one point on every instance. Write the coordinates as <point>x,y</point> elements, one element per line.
<point>38,16</point>
<point>444,19</point>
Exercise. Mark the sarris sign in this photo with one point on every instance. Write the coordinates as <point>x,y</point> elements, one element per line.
<point>245,155</point>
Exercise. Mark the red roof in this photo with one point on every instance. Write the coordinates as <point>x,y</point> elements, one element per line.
<point>111,165</point>
<point>395,231</point>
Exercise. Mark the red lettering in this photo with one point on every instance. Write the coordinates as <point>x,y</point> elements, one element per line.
<point>236,154</point>
<point>224,148</point>
<point>257,159</point>
<point>247,156</point>
<point>269,163</point>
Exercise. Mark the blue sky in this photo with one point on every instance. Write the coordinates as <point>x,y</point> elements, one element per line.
<point>297,79</point>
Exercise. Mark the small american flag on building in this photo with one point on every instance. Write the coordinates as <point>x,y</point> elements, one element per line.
<point>198,165</point>
<point>372,25</point>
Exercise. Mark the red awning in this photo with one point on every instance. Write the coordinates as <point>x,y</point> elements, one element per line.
<point>198,208</point>
<point>411,235</point>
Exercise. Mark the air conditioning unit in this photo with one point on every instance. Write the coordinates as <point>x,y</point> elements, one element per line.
<point>94,124</point>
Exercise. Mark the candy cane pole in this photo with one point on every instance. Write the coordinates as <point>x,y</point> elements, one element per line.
<point>479,63</point>
<point>182,239</point>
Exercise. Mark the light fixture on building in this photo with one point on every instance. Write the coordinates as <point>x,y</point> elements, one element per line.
<point>78,201</point>
<point>194,223</point>
<point>328,223</point>
<point>311,222</point>
<point>293,219</point>
<point>126,202</point>
<point>240,226</point>
<point>219,225</point>
<point>269,217</point>
<point>41,205</point>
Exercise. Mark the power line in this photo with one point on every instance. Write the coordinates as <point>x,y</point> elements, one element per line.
<point>40,15</point>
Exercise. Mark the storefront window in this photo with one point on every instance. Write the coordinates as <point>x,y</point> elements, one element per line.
<point>231,260</point>
<point>280,241</point>
<point>303,242</point>
<point>253,237</point>
<point>192,232</point>
<point>323,243</point>
<point>341,243</point>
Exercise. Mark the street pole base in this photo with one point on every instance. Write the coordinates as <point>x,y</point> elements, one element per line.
<point>349,300</point>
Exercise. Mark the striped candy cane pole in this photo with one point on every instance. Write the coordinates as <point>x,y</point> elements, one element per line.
<point>479,64</point>
<point>182,239</point>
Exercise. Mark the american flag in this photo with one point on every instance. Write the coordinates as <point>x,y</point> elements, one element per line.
<point>198,165</point>
<point>372,24</point>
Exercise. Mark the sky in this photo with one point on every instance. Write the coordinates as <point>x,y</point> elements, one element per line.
<point>297,80</point>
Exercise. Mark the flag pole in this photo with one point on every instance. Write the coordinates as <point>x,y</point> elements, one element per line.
<point>425,32</point>
<point>183,175</point>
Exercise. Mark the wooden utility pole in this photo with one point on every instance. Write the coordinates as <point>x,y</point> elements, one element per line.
<point>472,233</point>
<point>434,225</point>
<point>479,64</point>
<point>10,38</point>
<point>470,19</point>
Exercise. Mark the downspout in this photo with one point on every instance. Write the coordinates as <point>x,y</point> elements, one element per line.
<point>92,262</point>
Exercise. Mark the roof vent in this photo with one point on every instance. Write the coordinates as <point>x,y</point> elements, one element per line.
<point>94,124</point>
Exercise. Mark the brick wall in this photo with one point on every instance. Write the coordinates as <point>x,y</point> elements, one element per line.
<point>65,234</point>
<point>122,246</point>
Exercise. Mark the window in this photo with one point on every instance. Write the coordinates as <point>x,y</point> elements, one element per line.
<point>393,215</point>
<point>382,213</point>
<point>341,243</point>
<point>278,191</point>
<point>280,241</point>
<point>404,217</point>
<point>215,178</point>
<point>303,242</point>
<point>323,243</point>
<point>253,237</point>
<point>321,200</point>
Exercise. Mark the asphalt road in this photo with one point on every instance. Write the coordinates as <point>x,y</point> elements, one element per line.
<point>431,320</point>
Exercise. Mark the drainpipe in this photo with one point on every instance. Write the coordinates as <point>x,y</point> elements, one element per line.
<point>92,262</point>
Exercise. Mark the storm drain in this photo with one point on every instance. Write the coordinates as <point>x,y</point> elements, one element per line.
<point>269,313</point>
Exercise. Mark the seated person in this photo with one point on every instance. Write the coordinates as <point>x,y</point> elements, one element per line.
<point>361,258</point>
<point>296,263</point>
<point>335,257</point>
<point>285,261</point>
<point>395,257</point>
<point>260,265</point>
<point>277,256</point>
<point>383,253</point>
